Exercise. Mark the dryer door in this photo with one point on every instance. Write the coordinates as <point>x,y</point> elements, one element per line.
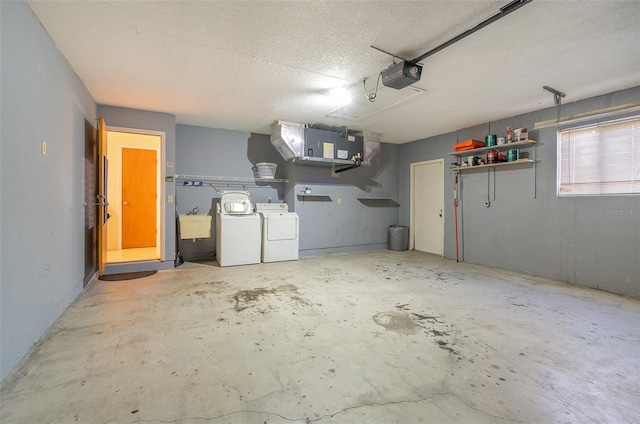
<point>282,226</point>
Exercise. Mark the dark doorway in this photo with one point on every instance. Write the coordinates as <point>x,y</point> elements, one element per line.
<point>90,184</point>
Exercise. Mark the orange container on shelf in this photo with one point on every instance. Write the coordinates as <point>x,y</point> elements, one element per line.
<point>468,145</point>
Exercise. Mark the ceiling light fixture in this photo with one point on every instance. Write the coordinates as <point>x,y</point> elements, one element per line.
<point>340,96</point>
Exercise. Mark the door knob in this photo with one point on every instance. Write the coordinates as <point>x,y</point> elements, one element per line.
<point>125,203</point>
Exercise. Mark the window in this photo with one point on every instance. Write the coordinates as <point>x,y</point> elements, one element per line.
<point>602,159</point>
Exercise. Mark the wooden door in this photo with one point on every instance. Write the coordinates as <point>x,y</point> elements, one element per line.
<point>101,198</point>
<point>139,195</point>
<point>428,206</point>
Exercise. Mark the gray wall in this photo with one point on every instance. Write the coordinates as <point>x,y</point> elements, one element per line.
<point>344,220</point>
<point>220,153</point>
<point>325,225</point>
<point>569,239</point>
<point>42,225</point>
<point>154,121</point>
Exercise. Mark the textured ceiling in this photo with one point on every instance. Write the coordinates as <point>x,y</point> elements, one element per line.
<point>241,65</point>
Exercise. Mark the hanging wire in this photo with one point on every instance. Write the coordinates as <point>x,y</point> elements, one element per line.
<point>371,96</point>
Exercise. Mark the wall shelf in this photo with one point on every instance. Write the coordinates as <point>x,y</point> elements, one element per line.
<point>498,165</point>
<point>215,182</point>
<point>206,179</point>
<point>311,160</point>
<point>314,197</point>
<point>378,201</point>
<point>497,148</point>
<point>491,165</point>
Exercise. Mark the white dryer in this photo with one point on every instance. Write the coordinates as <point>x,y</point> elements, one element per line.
<point>280,240</point>
<point>237,230</point>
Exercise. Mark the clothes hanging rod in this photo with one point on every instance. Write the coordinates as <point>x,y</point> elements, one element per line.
<point>209,178</point>
<point>504,11</point>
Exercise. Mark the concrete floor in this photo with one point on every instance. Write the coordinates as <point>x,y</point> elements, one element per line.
<point>380,337</point>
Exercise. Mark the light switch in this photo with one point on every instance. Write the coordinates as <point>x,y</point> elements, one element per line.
<point>44,148</point>
<point>170,198</point>
<point>339,201</point>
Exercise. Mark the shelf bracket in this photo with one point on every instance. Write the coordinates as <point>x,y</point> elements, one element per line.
<point>535,171</point>
<point>356,164</point>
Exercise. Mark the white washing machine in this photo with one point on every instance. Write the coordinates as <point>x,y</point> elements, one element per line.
<point>279,232</point>
<point>237,230</point>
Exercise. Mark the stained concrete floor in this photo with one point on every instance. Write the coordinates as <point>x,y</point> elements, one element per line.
<point>377,337</point>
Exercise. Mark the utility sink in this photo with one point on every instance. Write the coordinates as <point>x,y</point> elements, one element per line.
<point>194,226</point>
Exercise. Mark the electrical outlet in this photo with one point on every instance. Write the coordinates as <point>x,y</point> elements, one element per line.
<point>44,148</point>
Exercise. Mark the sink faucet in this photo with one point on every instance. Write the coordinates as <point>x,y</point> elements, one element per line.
<point>194,211</point>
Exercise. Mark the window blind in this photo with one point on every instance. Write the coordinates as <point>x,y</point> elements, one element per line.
<point>602,159</point>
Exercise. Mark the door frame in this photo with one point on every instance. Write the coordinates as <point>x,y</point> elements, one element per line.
<point>412,214</point>
<point>160,220</point>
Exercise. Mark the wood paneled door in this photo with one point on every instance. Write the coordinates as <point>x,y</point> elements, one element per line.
<point>139,197</point>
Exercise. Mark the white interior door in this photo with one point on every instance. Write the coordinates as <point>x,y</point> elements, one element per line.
<point>427,199</point>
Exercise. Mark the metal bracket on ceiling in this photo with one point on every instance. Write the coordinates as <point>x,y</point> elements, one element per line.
<point>557,95</point>
<point>394,56</point>
<point>557,99</point>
